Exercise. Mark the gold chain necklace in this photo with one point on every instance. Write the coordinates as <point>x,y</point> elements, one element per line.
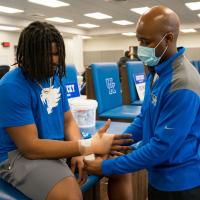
<point>46,90</point>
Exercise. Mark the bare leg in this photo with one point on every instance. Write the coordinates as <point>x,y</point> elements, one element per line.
<point>66,189</point>
<point>120,187</point>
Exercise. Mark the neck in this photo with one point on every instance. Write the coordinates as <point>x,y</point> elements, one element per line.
<point>169,53</point>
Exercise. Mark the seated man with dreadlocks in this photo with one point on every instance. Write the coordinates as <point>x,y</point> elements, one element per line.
<point>37,130</point>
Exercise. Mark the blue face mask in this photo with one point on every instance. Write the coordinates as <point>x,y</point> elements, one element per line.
<point>148,55</point>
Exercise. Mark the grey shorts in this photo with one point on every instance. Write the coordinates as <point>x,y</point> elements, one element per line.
<point>34,178</point>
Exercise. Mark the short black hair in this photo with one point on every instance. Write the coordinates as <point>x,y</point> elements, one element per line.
<point>34,51</point>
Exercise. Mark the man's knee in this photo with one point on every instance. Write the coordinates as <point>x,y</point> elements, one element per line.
<point>120,187</point>
<point>66,189</point>
<point>123,179</point>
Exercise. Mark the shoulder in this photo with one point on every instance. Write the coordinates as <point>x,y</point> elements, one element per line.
<point>14,78</point>
<point>185,76</point>
<point>14,86</point>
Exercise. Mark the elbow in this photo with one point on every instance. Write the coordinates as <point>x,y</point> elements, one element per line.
<point>30,156</point>
<point>29,153</point>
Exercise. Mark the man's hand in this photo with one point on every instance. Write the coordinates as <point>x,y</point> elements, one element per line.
<point>94,167</point>
<point>111,142</point>
<point>77,162</point>
<point>119,140</point>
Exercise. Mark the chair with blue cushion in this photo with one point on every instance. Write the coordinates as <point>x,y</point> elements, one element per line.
<point>133,69</point>
<point>128,73</point>
<point>3,70</point>
<point>70,81</point>
<point>8,192</point>
<point>196,64</point>
<point>107,91</point>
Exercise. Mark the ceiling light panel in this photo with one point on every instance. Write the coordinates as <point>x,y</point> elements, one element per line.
<point>59,19</point>
<point>122,22</point>
<point>10,10</point>
<point>188,30</point>
<point>193,5</point>
<point>129,34</point>
<point>9,28</point>
<point>98,15</point>
<point>140,10</point>
<point>50,3</point>
<point>85,37</point>
<point>87,25</point>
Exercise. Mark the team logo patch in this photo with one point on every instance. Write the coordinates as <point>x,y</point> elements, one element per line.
<point>110,84</point>
<point>153,99</point>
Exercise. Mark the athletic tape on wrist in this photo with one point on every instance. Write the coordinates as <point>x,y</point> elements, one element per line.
<point>85,147</point>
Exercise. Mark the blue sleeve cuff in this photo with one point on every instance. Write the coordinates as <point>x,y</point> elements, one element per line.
<point>106,167</point>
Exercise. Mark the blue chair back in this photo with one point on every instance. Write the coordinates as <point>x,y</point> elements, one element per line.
<point>70,81</point>
<point>3,70</point>
<point>134,68</point>
<point>106,85</point>
<point>196,64</point>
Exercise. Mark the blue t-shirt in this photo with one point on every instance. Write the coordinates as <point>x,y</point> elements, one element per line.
<point>24,102</point>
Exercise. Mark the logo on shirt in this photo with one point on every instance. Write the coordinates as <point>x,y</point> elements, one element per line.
<point>50,98</point>
<point>153,99</point>
<point>168,128</point>
<point>110,85</point>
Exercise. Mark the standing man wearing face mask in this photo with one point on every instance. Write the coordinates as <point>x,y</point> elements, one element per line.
<point>169,123</point>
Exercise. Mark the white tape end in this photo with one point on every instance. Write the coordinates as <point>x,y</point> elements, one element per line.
<point>90,157</point>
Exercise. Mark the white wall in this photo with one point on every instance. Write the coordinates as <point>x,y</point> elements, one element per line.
<point>75,46</point>
<point>110,43</point>
<point>74,49</point>
<point>74,52</point>
<point>7,53</point>
<point>189,40</point>
<point>122,43</point>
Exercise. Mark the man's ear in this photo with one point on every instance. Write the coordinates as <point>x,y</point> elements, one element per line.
<point>169,37</point>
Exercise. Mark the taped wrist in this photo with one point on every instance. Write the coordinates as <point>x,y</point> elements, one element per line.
<point>85,147</point>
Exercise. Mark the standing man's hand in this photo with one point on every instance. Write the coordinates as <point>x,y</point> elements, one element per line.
<point>121,143</point>
<point>94,167</point>
<point>77,162</point>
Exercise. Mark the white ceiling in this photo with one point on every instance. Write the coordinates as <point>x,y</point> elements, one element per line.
<point>118,9</point>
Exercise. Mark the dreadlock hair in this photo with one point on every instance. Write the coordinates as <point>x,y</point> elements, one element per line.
<point>34,51</point>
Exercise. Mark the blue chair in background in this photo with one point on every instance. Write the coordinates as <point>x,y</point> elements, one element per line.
<point>70,81</point>
<point>134,68</point>
<point>196,64</point>
<point>107,91</point>
<point>3,70</point>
